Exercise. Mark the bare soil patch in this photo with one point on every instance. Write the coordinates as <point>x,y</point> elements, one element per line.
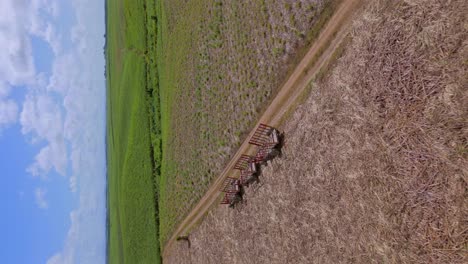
<point>375,164</point>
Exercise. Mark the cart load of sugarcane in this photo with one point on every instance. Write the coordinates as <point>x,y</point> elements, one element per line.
<point>269,142</point>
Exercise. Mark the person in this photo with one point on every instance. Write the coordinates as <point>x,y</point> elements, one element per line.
<point>238,194</point>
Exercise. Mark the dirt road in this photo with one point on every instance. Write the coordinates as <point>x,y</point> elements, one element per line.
<point>318,55</point>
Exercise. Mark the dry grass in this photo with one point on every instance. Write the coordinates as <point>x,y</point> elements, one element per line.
<point>411,73</point>
<point>376,162</point>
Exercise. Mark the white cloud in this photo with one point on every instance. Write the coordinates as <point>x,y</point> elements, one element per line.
<point>64,111</point>
<point>67,256</point>
<point>42,117</point>
<point>49,34</point>
<point>38,24</point>
<point>56,259</point>
<point>51,156</point>
<point>64,74</point>
<point>19,20</point>
<point>41,201</point>
<point>78,78</point>
<point>50,6</point>
<point>8,113</point>
<point>16,59</point>
<point>86,238</point>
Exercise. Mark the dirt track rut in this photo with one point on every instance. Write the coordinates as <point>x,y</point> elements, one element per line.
<point>318,55</point>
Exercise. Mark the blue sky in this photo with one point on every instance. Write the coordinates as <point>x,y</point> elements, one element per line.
<point>52,131</point>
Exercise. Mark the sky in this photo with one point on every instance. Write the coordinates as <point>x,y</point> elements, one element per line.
<point>52,132</point>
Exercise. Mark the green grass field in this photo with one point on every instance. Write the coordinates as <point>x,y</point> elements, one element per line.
<point>133,133</point>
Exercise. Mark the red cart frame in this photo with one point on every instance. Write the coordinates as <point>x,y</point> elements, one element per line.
<point>260,135</point>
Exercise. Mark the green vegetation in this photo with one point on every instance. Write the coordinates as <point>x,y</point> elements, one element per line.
<point>133,132</point>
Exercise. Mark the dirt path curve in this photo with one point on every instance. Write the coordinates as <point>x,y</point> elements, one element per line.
<point>318,55</point>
